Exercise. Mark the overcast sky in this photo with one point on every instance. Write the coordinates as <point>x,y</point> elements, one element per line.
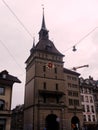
<point>70,22</point>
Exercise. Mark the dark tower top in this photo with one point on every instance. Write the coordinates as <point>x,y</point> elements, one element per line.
<point>44,44</point>
<point>43,33</point>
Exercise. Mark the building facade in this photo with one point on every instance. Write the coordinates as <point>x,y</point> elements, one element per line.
<point>73,100</point>
<point>89,102</point>
<point>17,118</point>
<point>48,101</point>
<point>6,84</point>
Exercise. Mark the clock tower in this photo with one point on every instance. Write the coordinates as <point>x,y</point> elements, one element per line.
<point>45,85</point>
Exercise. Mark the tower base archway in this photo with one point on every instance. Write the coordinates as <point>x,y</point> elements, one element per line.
<point>75,123</point>
<point>52,122</point>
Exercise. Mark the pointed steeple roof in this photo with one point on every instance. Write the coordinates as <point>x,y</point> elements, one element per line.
<point>33,42</point>
<point>44,44</point>
<point>33,47</point>
<point>43,33</point>
<point>43,22</point>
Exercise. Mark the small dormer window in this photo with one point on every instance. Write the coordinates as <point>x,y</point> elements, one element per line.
<point>4,76</point>
<point>48,46</point>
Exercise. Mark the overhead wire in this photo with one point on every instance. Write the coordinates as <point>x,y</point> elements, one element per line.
<point>86,35</point>
<point>31,34</point>
<point>11,54</point>
<point>82,38</point>
<point>24,29</point>
<point>5,3</point>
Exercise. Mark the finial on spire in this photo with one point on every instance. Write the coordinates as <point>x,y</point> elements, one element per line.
<point>43,6</point>
<point>43,19</point>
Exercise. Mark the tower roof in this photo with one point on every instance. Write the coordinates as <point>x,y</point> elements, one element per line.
<point>44,44</point>
<point>5,77</point>
<point>47,45</point>
<point>43,33</point>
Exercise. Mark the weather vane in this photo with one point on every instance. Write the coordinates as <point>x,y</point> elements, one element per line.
<point>43,6</point>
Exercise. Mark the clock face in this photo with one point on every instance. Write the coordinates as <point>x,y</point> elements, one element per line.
<point>50,65</point>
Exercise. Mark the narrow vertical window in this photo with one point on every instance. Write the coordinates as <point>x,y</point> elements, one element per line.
<point>55,70</point>
<point>91,99</point>
<point>2,90</point>
<point>70,102</point>
<point>89,118</point>
<point>44,68</point>
<point>44,85</point>
<point>84,117</point>
<point>83,108</point>
<point>86,99</point>
<point>82,98</point>
<point>93,118</point>
<point>56,86</point>
<point>88,110</point>
<point>92,109</point>
<point>76,102</point>
<point>2,104</point>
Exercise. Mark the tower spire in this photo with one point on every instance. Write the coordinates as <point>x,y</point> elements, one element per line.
<point>33,42</point>
<point>43,21</point>
<point>43,33</point>
<point>33,47</point>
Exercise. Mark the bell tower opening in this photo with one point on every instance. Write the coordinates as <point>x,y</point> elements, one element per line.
<point>52,122</point>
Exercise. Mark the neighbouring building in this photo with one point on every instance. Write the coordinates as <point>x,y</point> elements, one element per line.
<point>95,92</point>
<point>73,100</point>
<point>6,84</point>
<point>89,100</point>
<point>17,118</point>
<point>52,93</point>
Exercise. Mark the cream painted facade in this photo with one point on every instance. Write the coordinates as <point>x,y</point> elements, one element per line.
<point>6,83</point>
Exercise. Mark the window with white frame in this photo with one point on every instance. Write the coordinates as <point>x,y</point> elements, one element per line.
<point>93,117</point>
<point>91,99</point>
<point>92,109</point>
<point>86,99</point>
<point>89,118</point>
<point>88,108</point>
